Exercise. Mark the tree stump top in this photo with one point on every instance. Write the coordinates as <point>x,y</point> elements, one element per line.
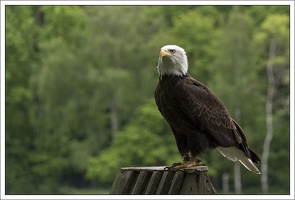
<point>161,180</point>
<point>197,169</point>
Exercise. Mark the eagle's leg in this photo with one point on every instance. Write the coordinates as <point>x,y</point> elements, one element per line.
<point>180,165</point>
<point>186,160</point>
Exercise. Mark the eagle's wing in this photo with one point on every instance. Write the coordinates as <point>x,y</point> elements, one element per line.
<point>207,112</point>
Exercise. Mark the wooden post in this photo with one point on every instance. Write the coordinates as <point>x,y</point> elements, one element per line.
<point>159,180</point>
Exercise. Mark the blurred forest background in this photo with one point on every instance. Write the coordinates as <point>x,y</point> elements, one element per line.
<point>79,92</point>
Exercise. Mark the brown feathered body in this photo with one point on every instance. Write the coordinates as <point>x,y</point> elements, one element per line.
<point>197,117</point>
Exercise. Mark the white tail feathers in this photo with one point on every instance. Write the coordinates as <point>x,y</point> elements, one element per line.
<point>234,154</point>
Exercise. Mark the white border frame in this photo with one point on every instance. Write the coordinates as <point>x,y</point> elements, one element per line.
<point>2,189</point>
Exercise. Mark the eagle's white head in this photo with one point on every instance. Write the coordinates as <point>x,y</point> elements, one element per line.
<point>172,61</point>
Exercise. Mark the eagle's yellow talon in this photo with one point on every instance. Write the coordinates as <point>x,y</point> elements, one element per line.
<point>186,164</point>
<point>194,163</point>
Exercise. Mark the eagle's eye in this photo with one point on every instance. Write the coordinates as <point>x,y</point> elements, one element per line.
<point>172,50</point>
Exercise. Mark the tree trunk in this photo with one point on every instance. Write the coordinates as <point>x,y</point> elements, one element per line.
<point>237,107</point>
<point>116,87</point>
<point>238,182</point>
<point>39,22</point>
<point>269,117</point>
<point>237,166</point>
<point>225,183</point>
<point>114,116</point>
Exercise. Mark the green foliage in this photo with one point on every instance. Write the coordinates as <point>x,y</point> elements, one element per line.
<point>80,82</point>
<point>149,143</point>
<point>62,21</point>
<point>20,57</point>
<point>274,27</point>
<point>195,32</point>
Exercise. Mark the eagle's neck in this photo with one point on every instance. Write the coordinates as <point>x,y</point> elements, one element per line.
<point>172,67</point>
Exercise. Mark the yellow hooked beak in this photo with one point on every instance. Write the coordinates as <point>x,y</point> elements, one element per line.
<point>165,52</point>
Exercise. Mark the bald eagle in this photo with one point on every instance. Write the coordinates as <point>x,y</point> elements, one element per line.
<point>198,119</point>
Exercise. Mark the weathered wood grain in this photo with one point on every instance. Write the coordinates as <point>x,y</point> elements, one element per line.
<point>165,182</point>
<point>141,182</point>
<point>161,180</point>
<point>176,182</point>
<point>125,183</point>
<point>154,182</point>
